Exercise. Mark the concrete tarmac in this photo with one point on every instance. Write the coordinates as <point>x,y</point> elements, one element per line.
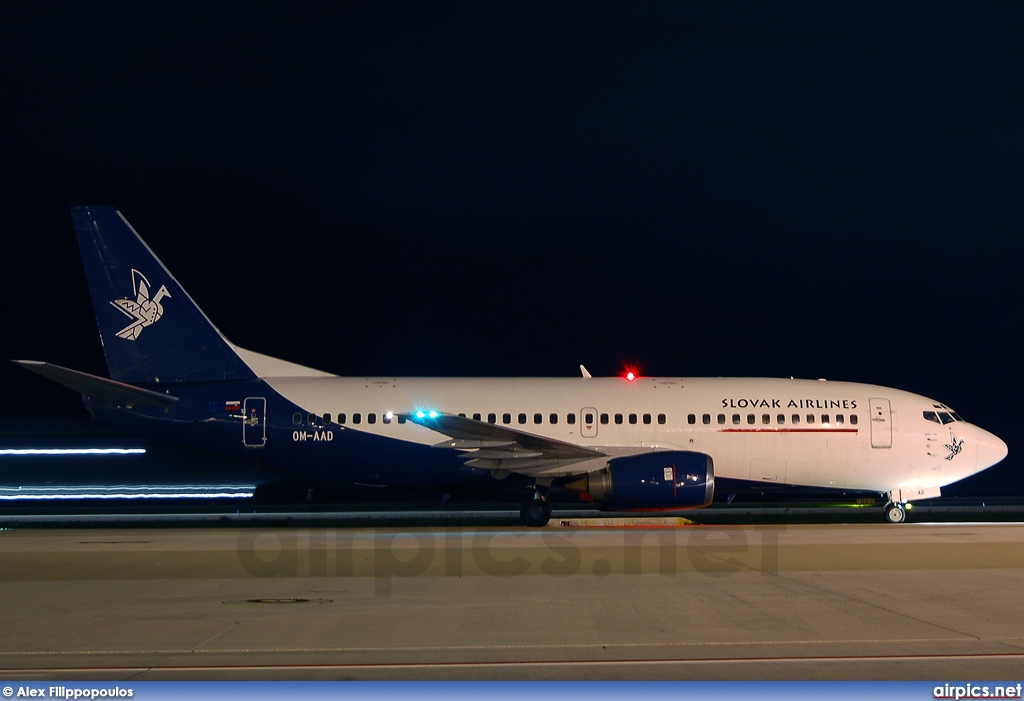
<point>932,602</point>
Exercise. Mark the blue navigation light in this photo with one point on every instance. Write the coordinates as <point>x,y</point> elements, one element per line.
<point>420,414</point>
<point>433,414</point>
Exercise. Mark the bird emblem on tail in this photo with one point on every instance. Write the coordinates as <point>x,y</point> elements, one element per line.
<point>143,310</point>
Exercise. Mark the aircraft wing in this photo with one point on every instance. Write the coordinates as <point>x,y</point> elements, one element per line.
<point>488,446</point>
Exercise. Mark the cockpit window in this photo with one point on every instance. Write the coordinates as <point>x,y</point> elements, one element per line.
<point>942,417</point>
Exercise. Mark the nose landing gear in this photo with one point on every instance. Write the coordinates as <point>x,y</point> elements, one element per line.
<point>895,512</point>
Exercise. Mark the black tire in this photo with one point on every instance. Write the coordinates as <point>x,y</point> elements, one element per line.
<point>895,513</point>
<point>535,513</point>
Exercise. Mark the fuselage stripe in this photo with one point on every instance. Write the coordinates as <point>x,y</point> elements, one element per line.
<point>787,430</point>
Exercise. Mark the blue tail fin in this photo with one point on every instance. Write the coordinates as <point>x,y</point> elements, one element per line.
<point>151,329</point>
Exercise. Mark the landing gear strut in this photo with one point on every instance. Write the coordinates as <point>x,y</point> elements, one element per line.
<point>895,512</point>
<point>537,512</point>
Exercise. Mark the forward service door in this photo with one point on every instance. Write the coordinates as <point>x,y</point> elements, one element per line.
<point>881,423</point>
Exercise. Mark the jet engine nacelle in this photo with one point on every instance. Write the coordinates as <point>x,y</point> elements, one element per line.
<point>676,479</point>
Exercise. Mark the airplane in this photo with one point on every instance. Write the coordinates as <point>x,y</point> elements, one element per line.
<point>645,444</point>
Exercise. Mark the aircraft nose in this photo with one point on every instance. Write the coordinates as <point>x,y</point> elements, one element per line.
<point>990,449</point>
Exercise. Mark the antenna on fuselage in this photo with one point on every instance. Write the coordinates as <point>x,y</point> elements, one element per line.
<point>586,373</point>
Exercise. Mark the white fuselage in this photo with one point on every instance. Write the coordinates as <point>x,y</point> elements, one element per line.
<point>801,432</point>
<point>635,443</point>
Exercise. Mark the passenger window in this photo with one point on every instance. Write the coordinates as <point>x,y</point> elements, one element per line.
<point>462,414</point>
<point>750,419</point>
<point>721,419</point>
<point>401,419</point>
<point>632,418</point>
<point>604,418</point>
<point>782,419</point>
<point>735,419</point>
<point>476,417</point>
<point>327,418</point>
<point>492,418</point>
<point>661,419</point>
<point>357,418</point>
<point>386,418</point>
<point>506,418</point>
<point>297,419</point>
<point>647,418</point>
<point>311,419</point>
<point>371,418</point>
<point>840,420</point>
<point>618,418</point>
<point>522,418</point>
<point>810,418</point>
<point>570,419</point>
<point>706,419</point>
<point>691,418</point>
<point>853,419</point>
<point>553,418</point>
<point>538,418</point>
<point>588,418</point>
<point>824,419</point>
<point>766,419</point>
<point>796,419</point>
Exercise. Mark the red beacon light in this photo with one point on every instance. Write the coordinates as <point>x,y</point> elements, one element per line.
<point>630,376</point>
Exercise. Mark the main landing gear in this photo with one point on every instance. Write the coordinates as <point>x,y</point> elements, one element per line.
<point>895,512</point>
<point>537,512</point>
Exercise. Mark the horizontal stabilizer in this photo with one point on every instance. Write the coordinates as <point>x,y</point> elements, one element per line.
<point>98,387</point>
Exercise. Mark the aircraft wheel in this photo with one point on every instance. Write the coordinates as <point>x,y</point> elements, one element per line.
<point>895,513</point>
<point>535,513</point>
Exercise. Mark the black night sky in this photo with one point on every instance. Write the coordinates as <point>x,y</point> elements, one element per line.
<point>755,189</point>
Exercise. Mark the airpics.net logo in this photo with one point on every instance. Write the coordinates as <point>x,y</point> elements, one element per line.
<point>144,310</point>
<point>386,556</point>
<point>977,691</point>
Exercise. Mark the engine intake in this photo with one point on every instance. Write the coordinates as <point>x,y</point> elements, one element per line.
<point>676,479</point>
